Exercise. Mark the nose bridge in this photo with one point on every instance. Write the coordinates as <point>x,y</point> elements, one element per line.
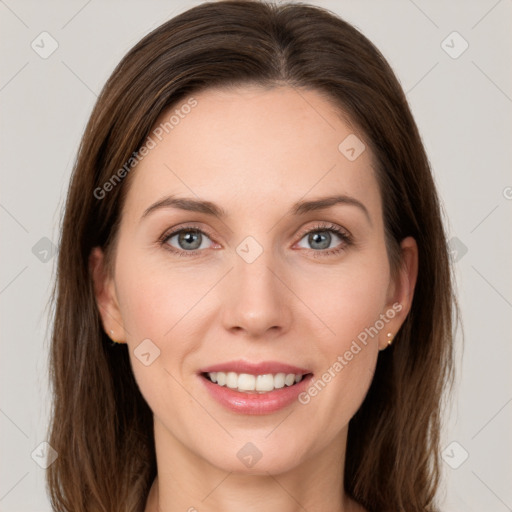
<point>257,297</point>
<point>252,273</point>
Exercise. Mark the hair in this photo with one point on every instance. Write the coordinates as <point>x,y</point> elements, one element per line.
<point>101,426</point>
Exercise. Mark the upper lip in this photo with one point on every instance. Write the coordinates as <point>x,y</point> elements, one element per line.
<point>262,368</point>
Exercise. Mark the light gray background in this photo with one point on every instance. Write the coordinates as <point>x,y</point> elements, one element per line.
<point>463,109</point>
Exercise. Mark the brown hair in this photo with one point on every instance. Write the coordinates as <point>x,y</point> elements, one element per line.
<point>101,426</point>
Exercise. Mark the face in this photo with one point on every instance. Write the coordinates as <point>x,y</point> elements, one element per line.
<point>260,290</point>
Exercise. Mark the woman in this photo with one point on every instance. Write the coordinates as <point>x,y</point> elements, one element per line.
<point>254,300</point>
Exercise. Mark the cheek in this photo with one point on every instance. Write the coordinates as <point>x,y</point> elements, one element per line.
<point>348,365</point>
<point>350,303</point>
<point>153,297</point>
<point>347,299</point>
<point>157,304</point>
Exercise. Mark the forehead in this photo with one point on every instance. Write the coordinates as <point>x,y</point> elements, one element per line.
<point>252,147</point>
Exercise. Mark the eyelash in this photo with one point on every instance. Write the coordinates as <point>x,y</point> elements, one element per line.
<point>343,235</point>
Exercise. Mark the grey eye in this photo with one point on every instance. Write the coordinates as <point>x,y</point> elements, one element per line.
<point>319,239</point>
<point>189,239</point>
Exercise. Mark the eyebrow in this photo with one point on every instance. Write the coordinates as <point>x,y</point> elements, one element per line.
<point>209,208</point>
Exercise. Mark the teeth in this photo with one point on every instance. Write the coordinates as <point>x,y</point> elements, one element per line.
<point>265,382</point>
<point>246,382</point>
<point>279,380</point>
<point>289,380</point>
<point>258,383</point>
<point>232,380</point>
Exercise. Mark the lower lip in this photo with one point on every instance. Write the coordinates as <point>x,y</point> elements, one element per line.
<point>256,403</point>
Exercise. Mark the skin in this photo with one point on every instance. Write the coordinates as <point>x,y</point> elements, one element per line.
<point>241,149</point>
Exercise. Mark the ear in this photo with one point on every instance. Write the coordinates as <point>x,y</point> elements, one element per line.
<point>401,291</point>
<point>106,297</point>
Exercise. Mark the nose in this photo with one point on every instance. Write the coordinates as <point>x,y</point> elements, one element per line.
<point>258,302</point>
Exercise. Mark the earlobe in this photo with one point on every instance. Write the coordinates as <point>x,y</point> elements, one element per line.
<point>403,290</point>
<point>106,300</point>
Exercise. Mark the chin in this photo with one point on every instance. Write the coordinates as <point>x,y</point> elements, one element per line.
<point>253,458</point>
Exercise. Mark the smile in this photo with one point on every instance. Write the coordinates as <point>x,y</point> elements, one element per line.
<point>246,387</point>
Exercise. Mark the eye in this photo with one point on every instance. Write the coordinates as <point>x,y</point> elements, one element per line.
<point>186,241</point>
<point>320,239</point>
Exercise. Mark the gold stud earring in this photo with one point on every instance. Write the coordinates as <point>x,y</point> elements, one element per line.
<point>390,340</point>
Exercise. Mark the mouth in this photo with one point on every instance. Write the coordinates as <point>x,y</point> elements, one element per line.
<point>248,388</point>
